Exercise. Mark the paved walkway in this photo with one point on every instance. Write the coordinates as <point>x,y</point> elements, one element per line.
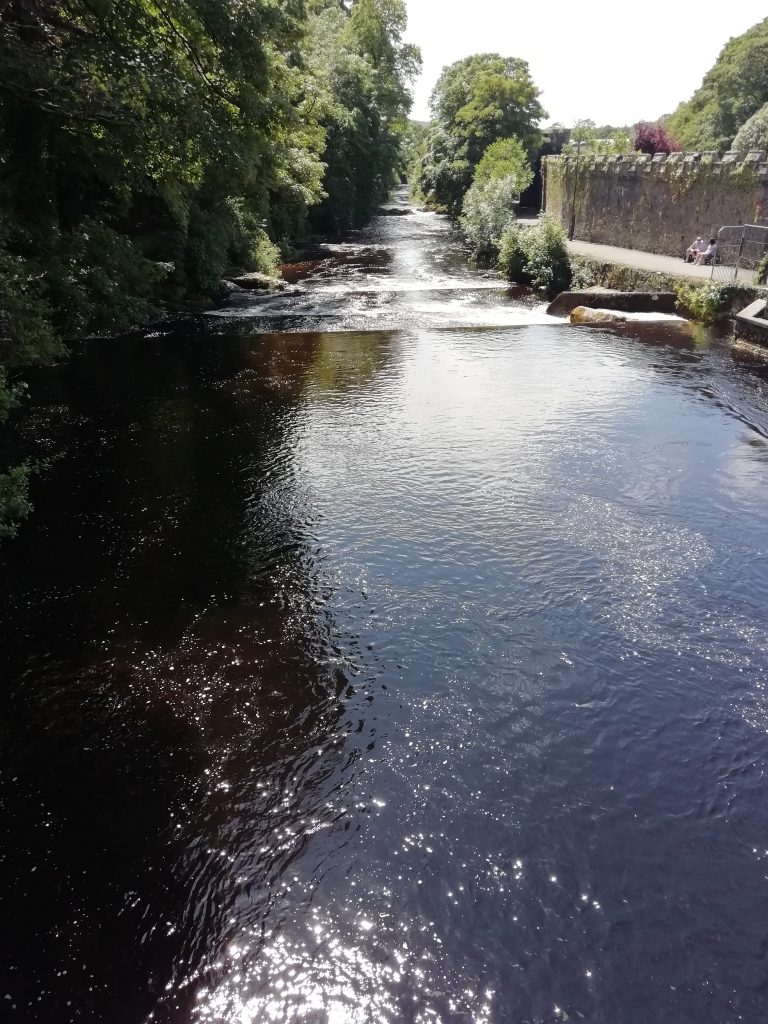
<point>641,260</point>
<point>650,261</point>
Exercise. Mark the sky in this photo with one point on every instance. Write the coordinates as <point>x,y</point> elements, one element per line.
<point>616,63</point>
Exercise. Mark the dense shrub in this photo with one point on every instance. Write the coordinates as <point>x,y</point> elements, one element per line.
<point>652,137</point>
<point>706,302</point>
<point>548,263</point>
<point>488,211</point>
<point>538,255</point>
<point>753,134</point>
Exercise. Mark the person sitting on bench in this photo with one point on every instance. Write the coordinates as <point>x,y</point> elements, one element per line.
<point>694,249</point>
<point>708,255</point>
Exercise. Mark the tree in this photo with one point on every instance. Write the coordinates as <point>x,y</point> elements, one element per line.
<point>489,205</point>
<point>652,137</point>
<point>361,70</point>
<point>505,158</point>
<point>606,139</point>
<point>149,147</point>
<point>732,91</point>
<point>476,101</point>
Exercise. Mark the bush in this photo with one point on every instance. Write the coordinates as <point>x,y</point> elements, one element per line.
<point>537,256</point>
<point>753,134</point>
<point>548,263</point>
<point>27,334</point>
<point>652,137</point>
<point>513,257</point>
<point>488,211</point>
<point>100,281</point>
<point>14,500</point>
<point>706,302</point>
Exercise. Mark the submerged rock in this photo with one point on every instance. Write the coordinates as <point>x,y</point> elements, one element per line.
<point>585,315</point>
<point>394,211</point>
<point>259,282</point>
<point>226,288</point>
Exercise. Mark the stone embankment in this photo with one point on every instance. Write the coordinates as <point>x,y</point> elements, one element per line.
<point>751,325</point>
<point>657,204</point>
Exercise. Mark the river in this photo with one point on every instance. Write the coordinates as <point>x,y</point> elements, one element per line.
<point>389,652</point>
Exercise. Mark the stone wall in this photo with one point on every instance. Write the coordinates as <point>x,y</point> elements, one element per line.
<point>658,203</point>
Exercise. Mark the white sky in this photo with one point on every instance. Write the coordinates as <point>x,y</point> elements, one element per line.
<point>616,63</point>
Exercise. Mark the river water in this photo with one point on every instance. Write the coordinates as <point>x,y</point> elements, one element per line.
<point>390,652</point>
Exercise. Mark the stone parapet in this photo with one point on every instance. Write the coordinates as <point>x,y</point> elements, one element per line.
<point>657,203</point>
<point>663,165</point>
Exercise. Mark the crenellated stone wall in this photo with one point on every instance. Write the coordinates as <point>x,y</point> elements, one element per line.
<point>657,203</point>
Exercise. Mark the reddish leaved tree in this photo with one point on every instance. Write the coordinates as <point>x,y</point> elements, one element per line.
<point>652,137</point>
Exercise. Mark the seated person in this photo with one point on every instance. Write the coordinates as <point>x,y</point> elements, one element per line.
<point>694,249</point>
<point>707,255</point>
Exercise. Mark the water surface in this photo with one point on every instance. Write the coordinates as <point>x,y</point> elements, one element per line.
<point>412,670</point>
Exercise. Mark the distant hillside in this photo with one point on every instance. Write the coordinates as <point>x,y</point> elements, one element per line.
<point>734,88</point>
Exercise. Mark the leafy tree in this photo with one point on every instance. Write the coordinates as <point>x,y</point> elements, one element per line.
<point>488,211</point>
<point>362,69</point>
<point>502,174</point>
<point>753,134</point>
<point>732,91</point>
<point>606,139</point>
<point>476,101</point>
<point>505,158</point>
<point>149,147</point>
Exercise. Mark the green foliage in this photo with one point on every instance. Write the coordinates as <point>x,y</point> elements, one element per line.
<point>590,139</point>
<point>513,253</point>
<point>753,134</point>
<point>705,302</point>
<point>537,256</point>
<point>149,148</point>
<point>14,500</point>
<point>362,69</point>
<point>505,158</point>
<point>98,281</point>
<point>489,205</point>
<point>476,102</point>
<point>734,89</point>
<point>414,148</point>
<point>27,334</point>
<point>488,211</point>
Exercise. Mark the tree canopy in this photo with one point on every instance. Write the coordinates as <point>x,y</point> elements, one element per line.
<point>732,91</point>
<point>489,205</point>
<point>475,102</point>
<point>150,147</point>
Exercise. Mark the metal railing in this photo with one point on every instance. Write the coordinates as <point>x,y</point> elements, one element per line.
<point>740,249</point>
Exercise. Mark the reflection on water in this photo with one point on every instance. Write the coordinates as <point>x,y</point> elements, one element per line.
<point>392,675</point>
